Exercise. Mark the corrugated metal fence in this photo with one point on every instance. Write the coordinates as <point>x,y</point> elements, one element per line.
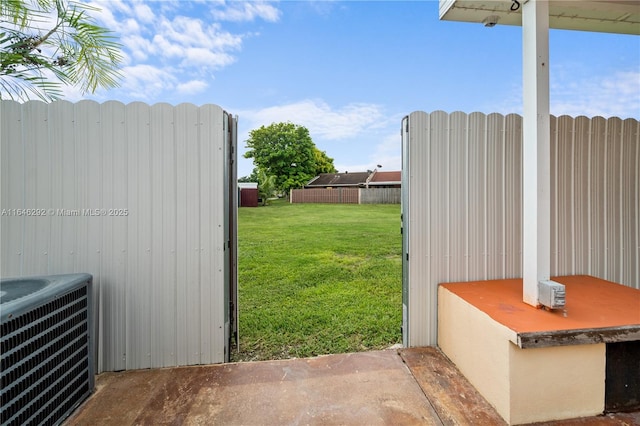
<point>462,203</point>
<point>346,195</point>
<point>133,194</point>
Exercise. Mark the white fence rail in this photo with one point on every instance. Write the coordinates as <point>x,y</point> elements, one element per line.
<point>462,203</point>
<point>134,195</point>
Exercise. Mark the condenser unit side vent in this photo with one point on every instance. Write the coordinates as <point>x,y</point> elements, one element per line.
<point>47,357</point>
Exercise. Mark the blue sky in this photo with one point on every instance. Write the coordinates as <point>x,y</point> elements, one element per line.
<point>349,71</point>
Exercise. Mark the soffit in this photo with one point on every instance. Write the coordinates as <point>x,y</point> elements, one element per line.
<point>609,16</point>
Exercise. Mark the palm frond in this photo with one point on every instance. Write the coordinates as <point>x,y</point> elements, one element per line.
<point>74,51</point>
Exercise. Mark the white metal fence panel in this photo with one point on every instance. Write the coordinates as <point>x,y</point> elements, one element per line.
<point>379,195</point>
<point>134,195</point>
<point>419,295</point>
<point>595,198</point>
<point>463,209</point>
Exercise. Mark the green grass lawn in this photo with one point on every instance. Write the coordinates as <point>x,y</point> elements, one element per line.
<point>318,279</point>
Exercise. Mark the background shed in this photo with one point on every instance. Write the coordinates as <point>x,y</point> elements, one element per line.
<point>248,194</point>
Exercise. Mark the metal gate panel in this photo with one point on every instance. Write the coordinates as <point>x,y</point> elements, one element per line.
<point>134,195</point>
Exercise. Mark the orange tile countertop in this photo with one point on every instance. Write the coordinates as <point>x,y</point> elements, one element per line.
<point>595,309</point>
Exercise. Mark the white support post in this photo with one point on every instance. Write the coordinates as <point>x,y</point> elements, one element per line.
<point>536,152</point>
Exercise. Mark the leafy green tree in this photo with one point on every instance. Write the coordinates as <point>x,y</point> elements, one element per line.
<point>324,163</point>
<point>45,44</point>
<point>284,150</point>
<point>266,186</point>
<point>253,177</point>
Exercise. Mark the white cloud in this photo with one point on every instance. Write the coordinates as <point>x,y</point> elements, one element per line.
<point>323,7</point>
<point>70,93</point>
<point>145,82</point>
<point>192,87</point>
<point>138,46</point>
<point>616,95</point>
<point>171,44</point>
<point>144,13</point>
<point>321,120</point>
<point>200,56</point>
<point>164,47</point>
<point>107,11</point>
<point>387,153</point>
<point>130,26</point>
<point>187,31</point>
<point>194,44</point>
<point>246,11</point>
<point>576,91</point>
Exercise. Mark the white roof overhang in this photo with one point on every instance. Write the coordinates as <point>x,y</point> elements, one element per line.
<point>608,16</point>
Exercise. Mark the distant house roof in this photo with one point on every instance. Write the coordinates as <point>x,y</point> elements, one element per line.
<point>385,178</point>
<point>375,178</point>
<point>338,179</point>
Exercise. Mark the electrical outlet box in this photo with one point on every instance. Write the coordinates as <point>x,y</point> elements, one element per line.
<point>551,294</point>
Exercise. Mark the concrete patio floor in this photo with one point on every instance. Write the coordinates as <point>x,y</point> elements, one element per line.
<point>417,386</point>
